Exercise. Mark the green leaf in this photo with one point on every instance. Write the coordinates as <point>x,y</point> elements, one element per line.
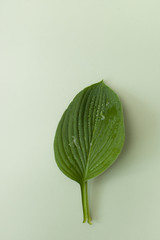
<point>89,136</point>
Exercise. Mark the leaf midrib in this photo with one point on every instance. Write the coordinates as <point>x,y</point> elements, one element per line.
<point>90,144</point>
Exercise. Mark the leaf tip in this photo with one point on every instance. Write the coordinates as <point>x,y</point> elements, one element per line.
<point>102,82</point>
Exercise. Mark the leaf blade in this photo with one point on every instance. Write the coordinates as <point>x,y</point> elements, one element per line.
<point>92,133</point>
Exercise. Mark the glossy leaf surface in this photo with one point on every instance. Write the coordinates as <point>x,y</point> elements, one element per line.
<point>90,134</point>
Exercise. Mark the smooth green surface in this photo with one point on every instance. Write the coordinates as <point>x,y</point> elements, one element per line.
<point>49,50</point>
<point>89,136</point>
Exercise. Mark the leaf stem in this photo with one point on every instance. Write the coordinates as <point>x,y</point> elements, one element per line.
<point>85,204</point>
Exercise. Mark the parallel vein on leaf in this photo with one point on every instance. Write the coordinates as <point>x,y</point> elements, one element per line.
<point>90,127</point>
<point>85,122</point>
<point>70,157</point>
<point>76,131</point>
<point>103,133</point>
<point>73,149</point>
<point>63,156</point>
<point>81,124</point>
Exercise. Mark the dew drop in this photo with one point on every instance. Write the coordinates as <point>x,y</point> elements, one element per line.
<point>107,103</point>
<point>74,139</point>
<point>102,116</point>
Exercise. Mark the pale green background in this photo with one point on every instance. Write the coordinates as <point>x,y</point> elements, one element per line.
<point>49,51</point>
